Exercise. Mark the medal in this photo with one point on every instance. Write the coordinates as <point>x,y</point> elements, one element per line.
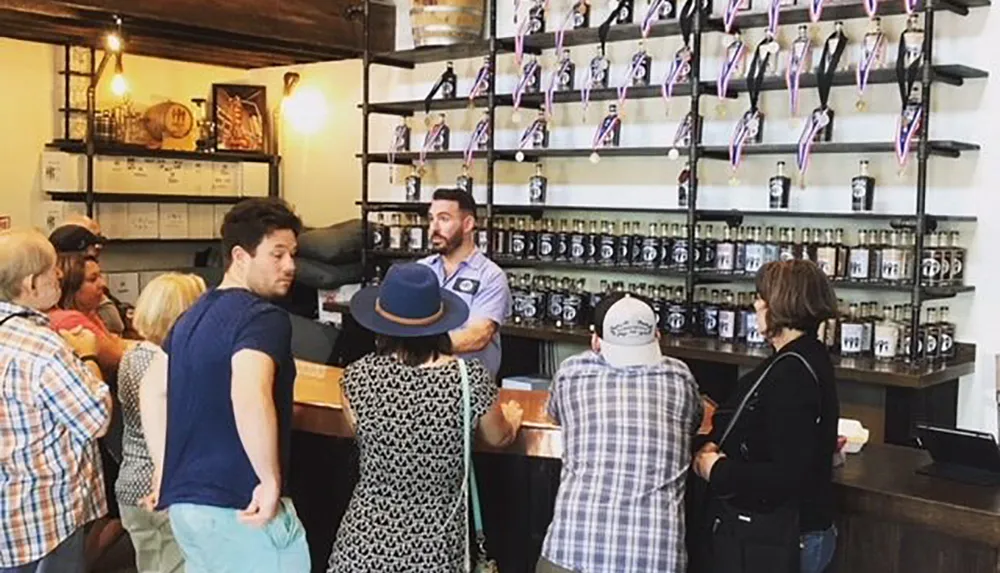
<point>909,60</point>
<point>682,137</point>
<point>735,59</point>
<point>871,56</point>
<point>480,138</point>
<point>607,133</point>
<point>799,59</point>
<point>535,137</point>
<point>821,119</point>
<point>400,142</point>
<point>527,82</point>
<point>749,129</point>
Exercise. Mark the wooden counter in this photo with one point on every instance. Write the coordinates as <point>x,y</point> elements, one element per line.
<point>891,519</point>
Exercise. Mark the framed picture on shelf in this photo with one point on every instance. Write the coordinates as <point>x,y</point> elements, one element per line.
<point>240,116</point>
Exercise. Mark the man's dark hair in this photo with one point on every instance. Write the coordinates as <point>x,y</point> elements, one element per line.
<point>466,203</point>
<point>414,351</point>
<point>250,221</point>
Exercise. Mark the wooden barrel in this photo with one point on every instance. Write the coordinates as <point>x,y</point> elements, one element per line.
<point>446,22</point>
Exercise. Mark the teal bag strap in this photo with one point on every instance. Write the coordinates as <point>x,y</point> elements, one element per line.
<point>477,513</point>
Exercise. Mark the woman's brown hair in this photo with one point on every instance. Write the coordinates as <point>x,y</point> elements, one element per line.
<point>798,295</point>
<point>74,271</point>
<point>414,351</point>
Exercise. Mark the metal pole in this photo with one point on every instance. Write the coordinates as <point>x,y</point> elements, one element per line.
<point>366,96</point>
<point>91,149</point>
<point>67,66</point>
<point>922,156</point>
<point>693,156</point>
<point>491,129</point>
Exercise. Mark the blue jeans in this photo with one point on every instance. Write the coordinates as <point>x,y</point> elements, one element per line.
<point>213,540</point>
<point>817,550</point>
<point>66,558</point>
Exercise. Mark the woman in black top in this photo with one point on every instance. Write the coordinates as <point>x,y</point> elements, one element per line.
<point>779,453</point>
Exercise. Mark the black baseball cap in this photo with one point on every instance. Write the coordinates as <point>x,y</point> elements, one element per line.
<point>74,239</point>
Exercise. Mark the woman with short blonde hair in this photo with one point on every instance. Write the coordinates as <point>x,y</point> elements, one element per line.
<point>159,306</point>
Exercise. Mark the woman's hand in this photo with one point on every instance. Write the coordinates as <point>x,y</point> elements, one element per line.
<point>705,460</point>
<point>514,414</point>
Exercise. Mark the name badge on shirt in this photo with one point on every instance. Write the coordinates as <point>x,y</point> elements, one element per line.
<point>467,286</point>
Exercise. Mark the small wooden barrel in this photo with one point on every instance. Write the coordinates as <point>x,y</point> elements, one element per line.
<point>446,22</point>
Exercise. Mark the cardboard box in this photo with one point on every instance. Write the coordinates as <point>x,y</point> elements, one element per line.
<point>254,179</point>
<point>51,215</point>
<point>201,222</point>
<point>113,218</point>
<point>174,177</point>
<point>198,177</point>
<point>174,221</point>
<point>143,221</point>
<point>62,172</point>
<point>111,174</point>
<point>145,175</point>
<point>225,179</point>
<point>220,216</point>
<point>124,286</point>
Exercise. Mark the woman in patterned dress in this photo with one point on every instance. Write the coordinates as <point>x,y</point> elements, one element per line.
<point>408,511</point>
<point>163,300</point>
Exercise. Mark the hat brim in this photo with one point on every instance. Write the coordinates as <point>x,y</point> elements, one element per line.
<point>621,356</point>
<point>456,312</point>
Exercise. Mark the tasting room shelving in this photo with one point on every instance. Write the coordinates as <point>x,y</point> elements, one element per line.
<point>914,375</point>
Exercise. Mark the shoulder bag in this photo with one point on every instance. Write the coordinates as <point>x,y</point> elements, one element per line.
<point>482,564</point>
<point>745,541</point>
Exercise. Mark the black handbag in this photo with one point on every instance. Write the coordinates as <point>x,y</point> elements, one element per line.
<point>745,541</point>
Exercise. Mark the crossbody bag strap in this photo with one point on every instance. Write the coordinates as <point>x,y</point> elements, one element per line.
<point>470,470</point>
<point>4,320</point>
<point>756,386</point>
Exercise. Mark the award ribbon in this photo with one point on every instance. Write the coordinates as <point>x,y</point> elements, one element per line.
<point>910,6</point>
<point>773,15</point>
<point>684,131</point>
<point>482,82</point>
<point>561,30</point>
<point>637,59</point>
<point>797,62</point>
<point>679,70</point>
<point>528,136</point>
<point>815,10</point>
<point>607,125</point>
<point>588,84</point>
<point>398,144</point>
<point>429,140</point>
<point>735,55</point>
<point>820,117</point>
<point>522,29</point>
<point>605,27</point>
<point>867,62</point>
<point>447,75</point>
<point>750,124</point>
<point>729,16</point>
<point>550,90</point>
<point>652,15</point>
<point>482,129</point>
<point>906,77</point>
<point>871,7</point>
<point>522,83</point>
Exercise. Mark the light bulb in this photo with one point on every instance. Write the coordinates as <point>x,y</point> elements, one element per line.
<point>306,110</point>
<point>119,85</point>
<point>113,42</point>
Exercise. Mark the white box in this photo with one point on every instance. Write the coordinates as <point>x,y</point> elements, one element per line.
<point>113,218</point>
<point>225,179</point>
<point>201,222</point>
<point>174,221</point>
<point>255,179</point>
<point>198,175</point>
<point>220,216</point>
<point>124,286</point>
<point>144,175</point>
<point>143,221</point>
<point>174,177</point>
<point>52,214</point>
<point>61,172</point>
<point>111,174</point>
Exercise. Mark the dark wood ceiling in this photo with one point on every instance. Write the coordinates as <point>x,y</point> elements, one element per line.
<point>237,33</point>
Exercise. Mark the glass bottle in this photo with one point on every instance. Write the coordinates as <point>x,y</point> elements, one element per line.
<point>851,333</point>
<point>947,330</point>
<point>562,241</point>
<point>577,243</point>
<point>727,317</point>
<point>725,251</point>
<point>650,251</point>
<point>608,246</point>
<point>546,248</point>
<point>886,336</point>
<point>859,265</point>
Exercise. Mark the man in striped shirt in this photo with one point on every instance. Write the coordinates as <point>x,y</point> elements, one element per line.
<point>53,407</point>
<point>628,416</point>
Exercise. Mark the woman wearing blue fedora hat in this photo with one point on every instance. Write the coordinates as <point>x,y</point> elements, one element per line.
<point>407,403</point>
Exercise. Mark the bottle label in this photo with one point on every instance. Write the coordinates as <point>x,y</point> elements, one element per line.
<point>947,344</point>
<point>591,244</point>
<point>771,253</point>
<point>858,268</point>
<point>754,336</point>
<point>536,189</point>
<point>931,268</point>
<point>650,251</point>
<point>576,248</point>
<point>826,260</point>
<point>377,237</point>
<point>416,239</point>
<point>740,258</point>
<point>711,321</point>
<point>956,266</point>
<point>607,249</point>
<point>545,245</point>
<point>891,265</point>
<point>680,254</point>
<point>724,257</point>
<point>555,306</point>
<point>787,253</point>
<point>517,244</point>
<point>945,272</point>
<point>777,199</point>
<point>623,250</point>
<point>676,319</point>
<point>867,332</point>
<point>851,335</point>
<point>571,309</point>
<point>727,324</point>
<point>412,188</point>
<point>931,344</point>
<point>396,238</point>
<point>886,340</point>
<point>754,258</point>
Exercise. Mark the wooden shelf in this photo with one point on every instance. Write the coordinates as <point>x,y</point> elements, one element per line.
<point>943,148</point>
<point>81,197</point>
<point>138,151</point>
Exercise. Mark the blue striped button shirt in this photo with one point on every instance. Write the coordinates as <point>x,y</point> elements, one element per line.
<point>51,408</point>
<point>627,436</point>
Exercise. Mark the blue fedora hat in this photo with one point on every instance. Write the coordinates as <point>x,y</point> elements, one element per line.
<point>409,303</point>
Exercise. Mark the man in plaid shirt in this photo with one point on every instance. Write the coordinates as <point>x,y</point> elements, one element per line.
<point>628,416</point>
<point>53,407</point>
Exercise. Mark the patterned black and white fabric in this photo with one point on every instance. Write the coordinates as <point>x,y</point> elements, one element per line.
<point>408,512</point>
<point>136,474</point>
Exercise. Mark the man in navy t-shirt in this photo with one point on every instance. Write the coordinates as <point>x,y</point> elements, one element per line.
<point>218,411</point>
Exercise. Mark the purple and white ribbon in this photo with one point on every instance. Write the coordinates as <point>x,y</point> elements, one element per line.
<point>816,10</point>
<point>522,29</point>
<point>906,130</point>
<point>867,62</point>
<point>793,74</point>
<point>729,16</point>
<point>591,80</point>
<point>679,71</point>
<point>482,83</point>
<point>815,123</point>
<point>746,130</point>
<point>735,54</point>
<point>683,133</point>
<point>561,30</point>
<point>429,139</point>
<point>637,60</point>
<point>553,81</point>
<point>871,7</point>
<point>910,6</point>
<point>773,15</point>
<point>652,15</point>
<point>481,131</point>
<point>529,134</point>
<point>528,72</point>
<point>607,126</point>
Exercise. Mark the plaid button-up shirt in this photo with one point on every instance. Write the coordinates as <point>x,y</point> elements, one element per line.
<point>627,447</point>
<point>51,408</point>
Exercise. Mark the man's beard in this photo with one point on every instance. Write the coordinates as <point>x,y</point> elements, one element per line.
<point>450,244</point>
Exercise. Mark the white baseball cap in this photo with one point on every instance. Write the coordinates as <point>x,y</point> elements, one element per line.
<point>627,329</point>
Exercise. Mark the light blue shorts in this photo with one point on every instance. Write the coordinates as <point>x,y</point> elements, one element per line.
<point>215,541</point>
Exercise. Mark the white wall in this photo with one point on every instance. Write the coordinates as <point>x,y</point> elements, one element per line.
<point>962,186</point>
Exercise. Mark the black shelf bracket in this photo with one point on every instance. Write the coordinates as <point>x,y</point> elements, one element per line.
<point>910,224</point>
<point>953,7</point>
<point>734,219</point>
